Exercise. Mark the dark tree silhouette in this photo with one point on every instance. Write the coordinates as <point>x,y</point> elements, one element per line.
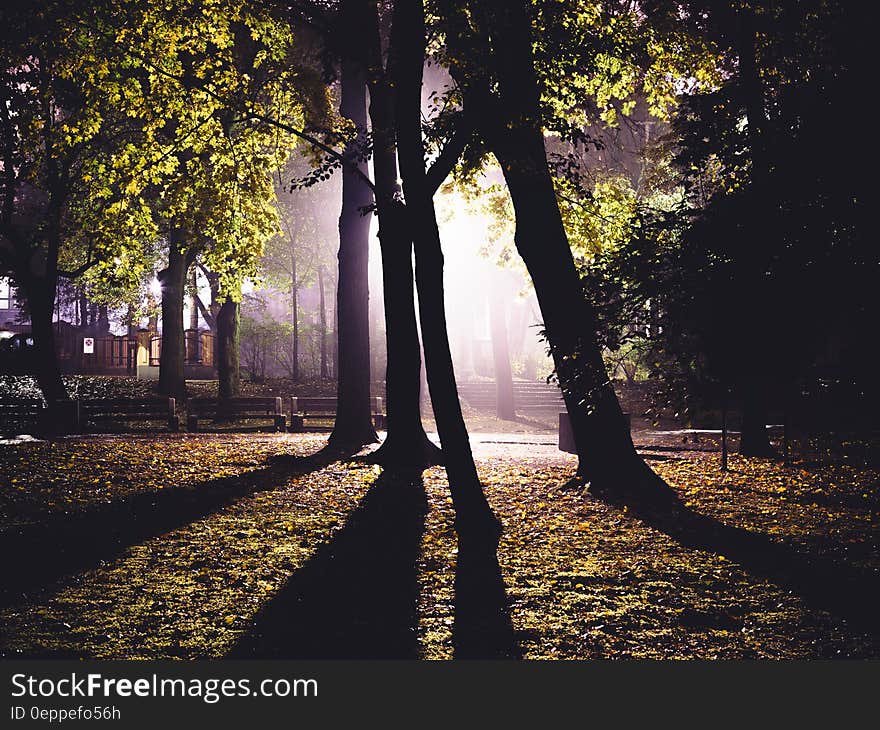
<point>353,418</point>
<point>504,404</point>
<point>406,444</point>
<point>173,281</point>
<point>501,96</point>
<point>407,55</point>
<point>40,296</point>
<point>755,440</point>
<point>36,195</point>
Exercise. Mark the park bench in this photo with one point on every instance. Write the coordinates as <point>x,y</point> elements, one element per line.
<point>19,415</point>
<point>99,413</point>
<point>324,408</point>
<point>235,410</point>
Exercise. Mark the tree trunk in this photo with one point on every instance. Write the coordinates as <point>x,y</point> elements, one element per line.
<point>322,324</point>
<point>41,289</point>
<point>130,323</point>
<point>173,280</point>
<point>406,445</point>
<point>213,307</point>
<point>332,343</point>
<point>504,405</point>
<point>407,59</point>
<point>754,440</point>
<point>601,436</point>
<point>294,315</point>
<point>193,343</point>
<point>229,384</point>
<point>83,309</point>
<point>194,304</point>
<point>41,301</point>
<point>103,325</point>
<point>353,426</point>
<point>512,129</point>
<point>424,395</point>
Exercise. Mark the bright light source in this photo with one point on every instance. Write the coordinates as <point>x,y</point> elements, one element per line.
<point>156,287</point>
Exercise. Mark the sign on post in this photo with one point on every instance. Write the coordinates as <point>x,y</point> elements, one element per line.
<point>89,345</point>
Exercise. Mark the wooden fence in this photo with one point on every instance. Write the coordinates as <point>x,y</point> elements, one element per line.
<point>112,355</point>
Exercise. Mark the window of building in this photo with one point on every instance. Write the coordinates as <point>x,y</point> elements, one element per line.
<point>6,295</point>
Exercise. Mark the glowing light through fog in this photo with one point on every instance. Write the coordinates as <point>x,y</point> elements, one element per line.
<point>475,238</point>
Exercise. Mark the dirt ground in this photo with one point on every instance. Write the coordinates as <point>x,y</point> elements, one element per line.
<point>214,545</point>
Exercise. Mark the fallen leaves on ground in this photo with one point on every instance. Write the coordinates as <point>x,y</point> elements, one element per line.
<point>584,579</point>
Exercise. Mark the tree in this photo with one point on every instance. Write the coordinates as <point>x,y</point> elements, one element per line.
<point>727,269</point>
<point>406,443</point>
<point>769,231</point>
<point>71,183</point>
<point>172,279</point>
<point>407,58</point>
<point>334,32</point>
<point>228,338</point>
<point>102,123</point>
<point>510,123</point>
<point>292,259</point>
<point>504,404</point>
<point>353,425</point>
<point>523,68</point>
<point>217,193</point>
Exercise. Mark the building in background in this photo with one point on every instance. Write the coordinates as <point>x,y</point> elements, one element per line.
<point>12,318</point>
<point>110,354</point>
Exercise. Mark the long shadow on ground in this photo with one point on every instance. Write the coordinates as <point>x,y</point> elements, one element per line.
<point>845,590</point>
<point>35,556</point>
<point>482,627</point>
<point>357,596</point>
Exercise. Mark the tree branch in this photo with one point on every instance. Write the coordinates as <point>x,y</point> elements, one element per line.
<point>206,315</point>
<point>192,253</point>
<point>315,143</point>
<point>77,272</point>
<point>448,157</point>
<point>254,115</point>
<point>80,270</point>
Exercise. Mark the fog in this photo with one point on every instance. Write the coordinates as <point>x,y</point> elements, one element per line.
<point>474,273</point>
<point>288,311</point>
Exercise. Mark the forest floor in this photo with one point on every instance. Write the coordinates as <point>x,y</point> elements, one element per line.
<point>215,545</point>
